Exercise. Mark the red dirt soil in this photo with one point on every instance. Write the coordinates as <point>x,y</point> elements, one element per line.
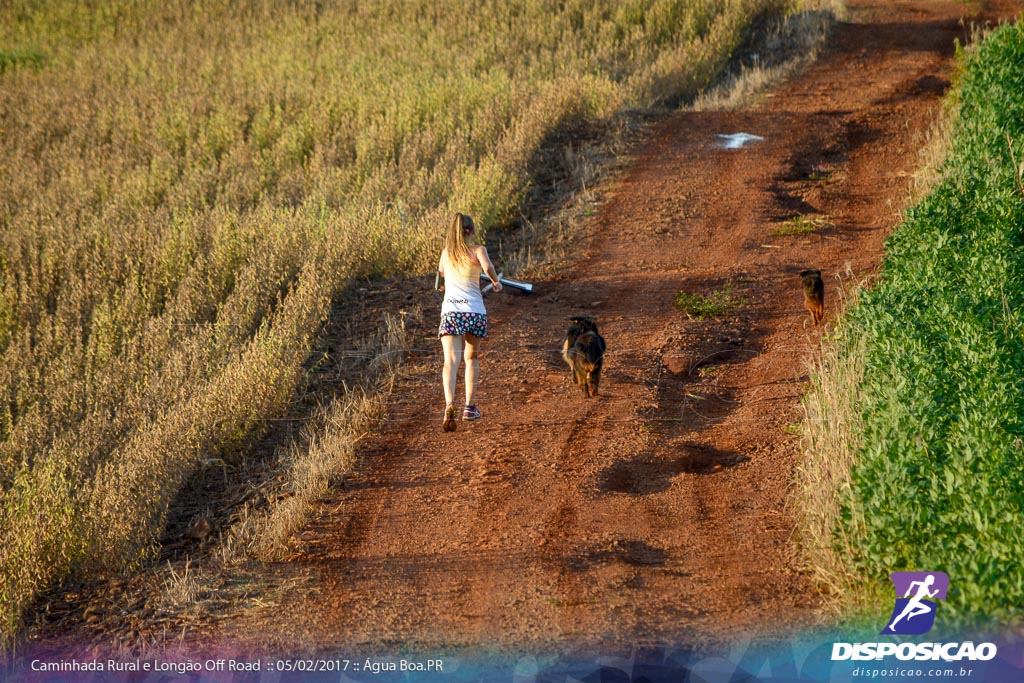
<point>660,511</point>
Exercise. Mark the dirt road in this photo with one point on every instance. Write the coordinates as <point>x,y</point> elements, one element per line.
<point>657,512</point>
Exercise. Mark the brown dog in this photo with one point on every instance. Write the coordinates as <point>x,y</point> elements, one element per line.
<point>814,294</point>
<point>583,349</point>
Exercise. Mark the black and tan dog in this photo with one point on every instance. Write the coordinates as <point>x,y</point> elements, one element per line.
<point>814,294</point>
<point>583,349</point>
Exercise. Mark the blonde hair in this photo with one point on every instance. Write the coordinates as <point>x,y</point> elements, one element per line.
<point>455,241</point>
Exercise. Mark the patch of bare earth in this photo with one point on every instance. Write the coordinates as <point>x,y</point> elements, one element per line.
<point>656,513</point>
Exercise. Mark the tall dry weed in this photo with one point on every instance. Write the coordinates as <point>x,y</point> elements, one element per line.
<point>327,447</point>
<point>829,442</point>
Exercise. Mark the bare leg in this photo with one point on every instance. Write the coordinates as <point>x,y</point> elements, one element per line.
<point>910,611</point>
<point>472,367</point>
<point>452,345</point>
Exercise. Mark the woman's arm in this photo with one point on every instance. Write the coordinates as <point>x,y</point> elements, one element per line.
<point>488,267</point>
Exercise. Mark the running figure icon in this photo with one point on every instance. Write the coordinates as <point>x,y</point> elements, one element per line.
<point>917,596</point>
<point>916,607</point>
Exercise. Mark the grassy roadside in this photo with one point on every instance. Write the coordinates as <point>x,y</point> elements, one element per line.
<point>914,442</point>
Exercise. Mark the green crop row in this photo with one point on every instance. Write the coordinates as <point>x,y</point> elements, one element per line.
<point>933,358</point>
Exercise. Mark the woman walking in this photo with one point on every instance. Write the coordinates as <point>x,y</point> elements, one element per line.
<point>463,316</point>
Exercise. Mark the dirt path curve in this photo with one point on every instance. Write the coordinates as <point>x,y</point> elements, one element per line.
<point>659,511</point>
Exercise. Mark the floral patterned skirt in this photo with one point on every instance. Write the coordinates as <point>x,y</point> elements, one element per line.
<point>463,323</point>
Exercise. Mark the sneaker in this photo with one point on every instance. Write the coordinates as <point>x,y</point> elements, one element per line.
<point>449,423</point>
<point>471,413</point>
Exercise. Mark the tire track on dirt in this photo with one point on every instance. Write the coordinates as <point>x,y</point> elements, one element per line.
<point>657,512</point>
